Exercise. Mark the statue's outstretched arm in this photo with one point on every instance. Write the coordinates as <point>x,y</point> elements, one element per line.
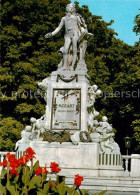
<point>48,35</point>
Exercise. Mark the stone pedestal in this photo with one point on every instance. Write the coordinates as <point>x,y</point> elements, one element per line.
<point>80,159</point>
<point>66,96</point>
<point>91,149</point>
<point>84,158</point>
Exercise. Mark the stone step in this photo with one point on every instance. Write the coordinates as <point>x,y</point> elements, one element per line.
<point>111,184</point>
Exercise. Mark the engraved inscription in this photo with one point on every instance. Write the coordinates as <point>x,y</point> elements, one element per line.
<point>66,109</point>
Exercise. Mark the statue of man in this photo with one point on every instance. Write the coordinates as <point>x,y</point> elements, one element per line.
<point>75,28</point>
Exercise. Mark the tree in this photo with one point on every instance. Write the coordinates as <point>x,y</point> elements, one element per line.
<point>136,127</point>
<point>136,123</point>
<point>27,58</point>
<point>136,28</point>
<point>9,133</point>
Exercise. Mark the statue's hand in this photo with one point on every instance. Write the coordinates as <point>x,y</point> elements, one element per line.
<point>48,35</point>
<point>90,34</point>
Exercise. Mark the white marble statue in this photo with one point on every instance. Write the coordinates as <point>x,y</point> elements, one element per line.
<point>104,126</point>
<point>44,87</point>
<point>75,31</point>
<point>44,84</point>
<point>75,138</point>
<point>92,94</point>
<point>107,142</point>
<point>26,136</point>
<point>69,58</point>
<point>38,127</point>
<point>90,120</point>
<point>102,133</point>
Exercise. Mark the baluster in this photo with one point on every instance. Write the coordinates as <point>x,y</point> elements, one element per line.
<point>126,164</point>
<point>126,161</point>
<point>104,159</point>
<point>2,157</point>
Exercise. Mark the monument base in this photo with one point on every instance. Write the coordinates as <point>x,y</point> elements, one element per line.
<point>113,185</point>
<point>83,159</point>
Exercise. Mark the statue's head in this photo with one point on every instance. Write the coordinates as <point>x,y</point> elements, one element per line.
<point>95,87</point>
<point>104,119</point>
<point>70,8</point>
<point>28,128</point>
<point>32,120</point>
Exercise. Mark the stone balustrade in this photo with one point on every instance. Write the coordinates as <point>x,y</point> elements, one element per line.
<point>131,162</point>
<point>132,165</point>
<point>110,159</point>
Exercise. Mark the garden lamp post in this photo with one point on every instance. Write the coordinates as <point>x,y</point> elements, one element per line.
<point>127,143</point>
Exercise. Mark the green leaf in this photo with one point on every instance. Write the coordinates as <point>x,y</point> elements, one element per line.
<point>61,188</point>
<point>75,193</point>
<point>103,192</point>
<point>3,173</point>
<point>36,165</point>
<point>35,181</point>
<point>26,176</point>
<point>39,193</point>
<point>11,189</point>
<point>84,192</point>
<point>2,189</point>
<point>45,189</point>
<point>68,189</point>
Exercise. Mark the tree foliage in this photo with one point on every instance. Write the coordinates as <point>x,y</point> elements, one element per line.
<point>136,127</point>
<point>27,58</point>
<point>136,28</point>
<point>9,133</point>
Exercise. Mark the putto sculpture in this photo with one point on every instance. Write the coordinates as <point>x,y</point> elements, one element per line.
<point>75,33</point>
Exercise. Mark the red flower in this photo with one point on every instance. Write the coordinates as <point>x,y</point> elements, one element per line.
<point>21,161</point>
<point>51,185</point>
<point>78,179</point>
<point>40,170</point>
<point>4,163</point>
<point>10,156</point>
<point>29,152</point>
<point>45,170</point>
<point>13,172</point>
<point>14,163</point>
<point>55,167</point>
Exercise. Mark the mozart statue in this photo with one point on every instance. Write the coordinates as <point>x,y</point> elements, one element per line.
<point>75,31</point>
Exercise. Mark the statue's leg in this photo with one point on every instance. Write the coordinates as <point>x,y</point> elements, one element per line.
<point>102,147</point>
<point>109,145</point>
<point>66,48</point>
<point>74,44</point>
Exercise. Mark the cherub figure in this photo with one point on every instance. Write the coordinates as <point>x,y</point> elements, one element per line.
<point>92,94</point>
<point>106,135</point>
<point>38,127</point>
<point>25,136</point>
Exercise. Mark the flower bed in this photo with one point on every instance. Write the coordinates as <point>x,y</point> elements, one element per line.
<point>18,178</point>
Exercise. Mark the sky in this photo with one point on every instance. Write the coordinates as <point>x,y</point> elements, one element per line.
<point>123,13</point>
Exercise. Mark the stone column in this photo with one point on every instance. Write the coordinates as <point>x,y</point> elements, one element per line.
<point>135,165</point>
